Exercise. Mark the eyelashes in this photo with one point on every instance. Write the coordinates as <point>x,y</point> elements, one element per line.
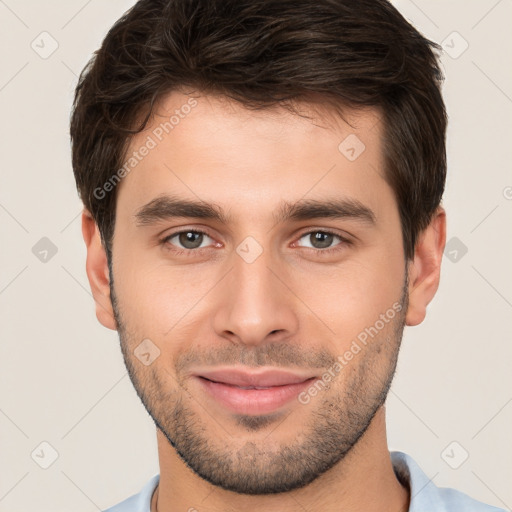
<point>194,251</point>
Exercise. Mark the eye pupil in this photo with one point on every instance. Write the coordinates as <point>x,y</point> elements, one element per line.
<point>190,239</point>
<point>194,239</point>
<point>321,238</point>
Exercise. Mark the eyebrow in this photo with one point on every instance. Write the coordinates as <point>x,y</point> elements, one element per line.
<point>166,207</point>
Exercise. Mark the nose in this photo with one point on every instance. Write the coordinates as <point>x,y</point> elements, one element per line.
<point>256,305</point>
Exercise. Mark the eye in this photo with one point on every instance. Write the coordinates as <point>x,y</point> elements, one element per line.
<point>322,240</point>
<point>188,239</point>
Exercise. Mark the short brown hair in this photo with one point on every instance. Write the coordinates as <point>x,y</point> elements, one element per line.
<point>264,53</point>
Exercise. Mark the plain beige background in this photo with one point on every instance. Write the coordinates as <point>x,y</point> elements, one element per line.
<point>63,382</point>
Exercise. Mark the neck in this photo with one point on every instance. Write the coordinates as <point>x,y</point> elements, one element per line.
<point>363,481</point>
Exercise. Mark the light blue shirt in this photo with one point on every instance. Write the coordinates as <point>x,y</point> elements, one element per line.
<point>425,495</point>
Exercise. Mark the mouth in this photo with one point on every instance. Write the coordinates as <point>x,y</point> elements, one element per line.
<point>241,387</point>
<point>252,399</point>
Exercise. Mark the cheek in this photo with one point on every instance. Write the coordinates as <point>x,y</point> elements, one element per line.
<point>155,299</point>
<point>347,299</point>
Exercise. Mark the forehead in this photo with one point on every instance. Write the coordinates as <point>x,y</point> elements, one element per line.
<point>215,149</point>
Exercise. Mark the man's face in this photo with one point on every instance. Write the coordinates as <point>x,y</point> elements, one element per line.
<point>255,288</point>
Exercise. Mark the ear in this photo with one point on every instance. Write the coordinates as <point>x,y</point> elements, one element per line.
<point>425,268</point>
<point>97,271</point>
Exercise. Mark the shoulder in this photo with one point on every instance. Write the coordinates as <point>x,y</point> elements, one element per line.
<point>456,500</point>
<point>140,502</point>
<point>426,496</point>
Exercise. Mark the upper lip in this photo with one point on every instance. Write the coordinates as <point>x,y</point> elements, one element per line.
<point>264,378</point>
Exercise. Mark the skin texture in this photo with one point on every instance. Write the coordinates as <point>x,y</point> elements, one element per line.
<point>290,308</point>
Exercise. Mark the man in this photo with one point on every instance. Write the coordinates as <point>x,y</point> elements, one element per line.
<point>262,184</point>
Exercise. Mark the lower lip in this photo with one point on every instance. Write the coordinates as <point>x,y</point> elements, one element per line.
<point>253,401</point>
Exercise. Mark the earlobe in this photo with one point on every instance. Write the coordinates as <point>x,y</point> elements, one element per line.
<point>97,271</point>
<point>425,269</point>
